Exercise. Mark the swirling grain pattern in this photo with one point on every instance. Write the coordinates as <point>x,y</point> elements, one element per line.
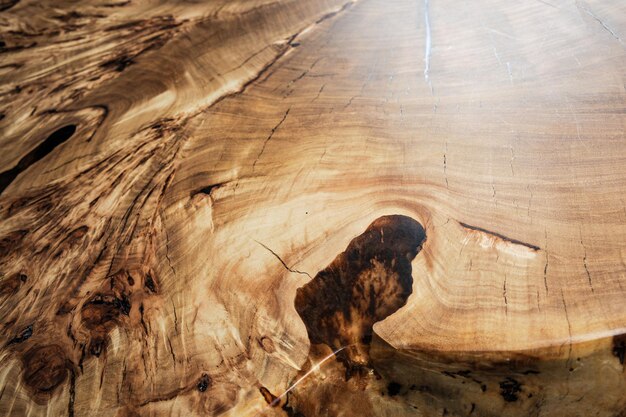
<point>312,208</point>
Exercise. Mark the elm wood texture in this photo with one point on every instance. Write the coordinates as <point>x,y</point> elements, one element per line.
<point>177,176</point>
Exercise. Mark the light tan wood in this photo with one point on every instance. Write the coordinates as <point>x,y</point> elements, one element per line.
<point>312,208</point>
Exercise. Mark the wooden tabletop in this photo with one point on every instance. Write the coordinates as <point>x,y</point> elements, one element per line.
<point>313,208</point>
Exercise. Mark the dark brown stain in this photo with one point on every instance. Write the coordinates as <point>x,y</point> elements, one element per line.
<point>510,389</point>
<point>11,284</point>
<point>77,234</point>
<point>73,239</point>
<point>11,241</point>
<point>7,4</point>
<point>393,388</point>
<point>45,368</point>
<point>531,372</point>
<point>268,396</point>
<point>72,396</point>
<point>149,281</point>
<point>163,29</point>
<point>22,337</point>
<point>118,64</point>
<point>99,316</point>
<point>208,189</point>
<point>203,383</point>
<point>14,48</point>
<point>465,374</point>
<point>126,25</point>
<point>367,282</point>
<point>18,204</point>
<point>619,347</point>
<point>120,4</point>
<point>289,410</point>
<point>267,345</point>
<point>55,139</point>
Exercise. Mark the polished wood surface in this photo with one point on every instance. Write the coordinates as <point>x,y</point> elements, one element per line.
<point>313,208</point>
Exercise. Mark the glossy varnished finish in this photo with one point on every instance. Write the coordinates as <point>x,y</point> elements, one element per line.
<point>312,208</point>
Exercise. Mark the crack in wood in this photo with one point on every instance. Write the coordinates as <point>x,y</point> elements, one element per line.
<point>283,262</point>
<point>274,129</point>
<point>500,236</point>
<point>604,25</point>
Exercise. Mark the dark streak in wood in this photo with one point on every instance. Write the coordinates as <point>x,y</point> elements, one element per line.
<point>25,335</point>
<point>55,139</point>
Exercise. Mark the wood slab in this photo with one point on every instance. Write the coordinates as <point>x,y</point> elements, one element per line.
<point>312,208</point>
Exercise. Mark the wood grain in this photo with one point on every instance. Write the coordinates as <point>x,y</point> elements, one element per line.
<point>312,208</point>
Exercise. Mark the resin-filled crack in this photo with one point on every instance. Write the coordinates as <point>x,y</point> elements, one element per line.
<point>366,283</point>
